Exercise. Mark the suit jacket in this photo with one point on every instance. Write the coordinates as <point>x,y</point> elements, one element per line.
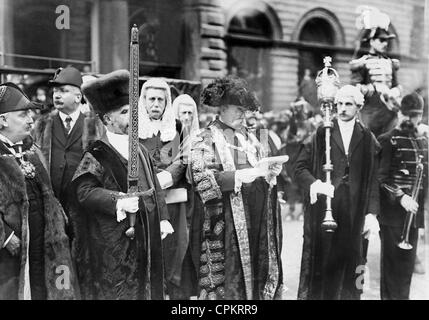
<point>62,153</point>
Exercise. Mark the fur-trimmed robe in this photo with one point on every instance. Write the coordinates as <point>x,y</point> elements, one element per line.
<point>14,206</point>
<point>109,264</point>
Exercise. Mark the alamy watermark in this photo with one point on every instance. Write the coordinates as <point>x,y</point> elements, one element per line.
<point>363,279</point>
<point>62,282</point>
<point>63,20</point>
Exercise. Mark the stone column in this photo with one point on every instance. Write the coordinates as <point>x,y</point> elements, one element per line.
<point>205,50</point>
<point>114,35</point>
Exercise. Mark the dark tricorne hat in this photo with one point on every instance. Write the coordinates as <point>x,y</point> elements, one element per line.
<point>412,104</point>
<point>67,76</point>
<point>377,33</point>
<point>229,91</point>
<point>108,92</point>
<point>12,98</point>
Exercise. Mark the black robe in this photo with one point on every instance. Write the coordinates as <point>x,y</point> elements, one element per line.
<point>110,265</point>
<point>329,260</point>
<point>180,269</point>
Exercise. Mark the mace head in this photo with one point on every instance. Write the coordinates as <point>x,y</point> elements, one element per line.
<point>327,82</point>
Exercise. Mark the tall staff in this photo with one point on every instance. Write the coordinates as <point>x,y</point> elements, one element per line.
<point>327,82</point>
<point>133,144</point>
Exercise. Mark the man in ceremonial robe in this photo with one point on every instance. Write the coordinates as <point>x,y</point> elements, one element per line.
<point>163,136</point>
<point>112,265</point>
<point>330,260</point>
<point>35,259</point>
<point>240,239</point>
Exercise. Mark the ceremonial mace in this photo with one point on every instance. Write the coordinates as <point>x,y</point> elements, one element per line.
<point>327,82</point>
<point>133,133</point>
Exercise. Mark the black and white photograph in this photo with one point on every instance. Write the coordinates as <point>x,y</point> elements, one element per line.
<point>235,151</point>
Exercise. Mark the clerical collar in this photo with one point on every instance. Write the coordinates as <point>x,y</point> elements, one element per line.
<point>74,115</point>
<point>119,142</point>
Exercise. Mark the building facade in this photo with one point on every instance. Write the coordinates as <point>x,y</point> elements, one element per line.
<point>270,43</point>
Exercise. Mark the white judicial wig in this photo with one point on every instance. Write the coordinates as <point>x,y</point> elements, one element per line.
<point>167,124</point>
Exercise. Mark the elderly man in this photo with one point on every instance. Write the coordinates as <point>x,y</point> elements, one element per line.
<point>185,110</point>
<point>112,265</point>
<point>34,249</point>
<point>240,239</point>
<point>64,133</point>
<point>163,136</point>
<point>330,260</point>
<point>397,173</point>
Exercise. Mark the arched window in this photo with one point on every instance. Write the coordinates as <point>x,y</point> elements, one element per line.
<point>251,28</point>
<point>251,22</point>
<point>318,31</point>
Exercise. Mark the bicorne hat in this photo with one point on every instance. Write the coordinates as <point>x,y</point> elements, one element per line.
<point>12,98</point>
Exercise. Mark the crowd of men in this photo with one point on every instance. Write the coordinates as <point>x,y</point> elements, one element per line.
<point>206,220</point>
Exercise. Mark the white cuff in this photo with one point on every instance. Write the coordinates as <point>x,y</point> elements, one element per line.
<point>120,212</point>
<point>271,180</point>
<point>165,179</point>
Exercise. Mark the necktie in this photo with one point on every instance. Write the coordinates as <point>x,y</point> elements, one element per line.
<point>68,126</point>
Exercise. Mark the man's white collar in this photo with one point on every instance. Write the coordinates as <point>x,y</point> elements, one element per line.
<point>119,142</point>
<point>73,115</point>
<point>347,124</point>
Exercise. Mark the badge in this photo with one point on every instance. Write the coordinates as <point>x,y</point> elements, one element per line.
<point>28,169</point>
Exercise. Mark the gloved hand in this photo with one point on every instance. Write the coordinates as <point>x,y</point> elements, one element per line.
<point>273,171</point>
<point>319,187</point>
<point>409,204</point>
<point>371,225</point>
<point>247,176</point>
<point>166,228</point>
<point>126,205</point>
